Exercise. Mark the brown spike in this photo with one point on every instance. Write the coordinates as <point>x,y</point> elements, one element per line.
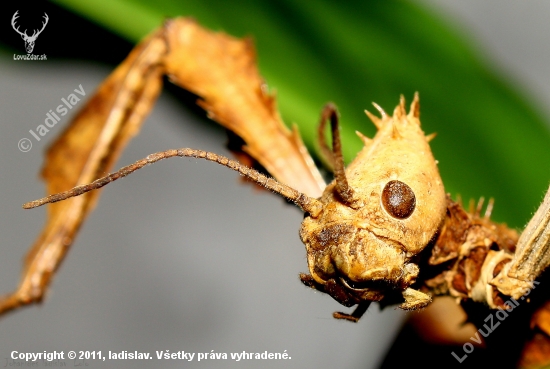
<point>415,106</point>
<point>459,200</point>
<point>400,111</point>
<point>472,206</point>
<point>269,98</point>
<point>489,209</point>
<point>366,140</point>
<point>374,119</point>
<point>431,136</point>
<point>479,206</point>
<point>395,131</point>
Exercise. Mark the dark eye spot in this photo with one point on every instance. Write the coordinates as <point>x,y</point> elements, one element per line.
<point>398,199</point>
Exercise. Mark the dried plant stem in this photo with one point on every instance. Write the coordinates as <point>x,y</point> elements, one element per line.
<point>306,203</point>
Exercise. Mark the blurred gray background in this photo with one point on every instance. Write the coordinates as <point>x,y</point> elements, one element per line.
<point>181,255</point>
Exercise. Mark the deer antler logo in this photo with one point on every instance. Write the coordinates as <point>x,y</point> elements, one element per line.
<point>29,40</point>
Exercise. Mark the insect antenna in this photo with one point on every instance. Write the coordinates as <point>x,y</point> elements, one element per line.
<point>306,203</point>
<point>342,187</point>
<point>325,151</point>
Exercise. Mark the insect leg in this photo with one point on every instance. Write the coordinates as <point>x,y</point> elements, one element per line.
<point>354,317</point>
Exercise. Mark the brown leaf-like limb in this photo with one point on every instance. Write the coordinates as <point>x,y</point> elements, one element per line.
<point>218,68</point>
<point>85,150</point>
<point>235,95</point>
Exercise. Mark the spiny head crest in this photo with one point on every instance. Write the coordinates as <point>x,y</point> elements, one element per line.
<point>399,113</point>
<point>378,122</point>
<point>374,119</point>
<point>366,140</point>
<point>415,107</point>
<point>380,110</point>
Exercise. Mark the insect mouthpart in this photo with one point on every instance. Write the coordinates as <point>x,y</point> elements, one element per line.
<point>371,259</point>
<point>361,286</point>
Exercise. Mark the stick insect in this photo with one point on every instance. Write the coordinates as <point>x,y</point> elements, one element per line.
<point>395,275</point>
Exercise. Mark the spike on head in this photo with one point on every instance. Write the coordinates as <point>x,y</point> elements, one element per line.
<point>400,112</point>
<point>395,131</point>
<point>489,209</point>
<point>471,206</point>
<point>459,200</point>
<point>380,110</point>
<point>374,119</point>
<point>366,140</point>
<point>415,106</point>
<point>479,206</point>
<point>431,136</point>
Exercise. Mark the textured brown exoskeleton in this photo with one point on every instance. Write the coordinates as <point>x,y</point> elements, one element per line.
<point>384,230</point>
<point>364,233</point>
<point>377,216</point>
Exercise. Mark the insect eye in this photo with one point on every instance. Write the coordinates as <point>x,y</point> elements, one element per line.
<point>398,199</point>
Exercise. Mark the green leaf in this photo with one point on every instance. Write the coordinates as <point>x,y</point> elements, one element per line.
<point>490,141</point>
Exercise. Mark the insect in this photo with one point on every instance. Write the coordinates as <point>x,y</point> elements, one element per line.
<point>395,197</point>
<point>362,231</point>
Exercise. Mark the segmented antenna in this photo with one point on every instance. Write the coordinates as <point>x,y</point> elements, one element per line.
<point>342,187</point>
<point>306,203</point>
<point>326,152</point>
